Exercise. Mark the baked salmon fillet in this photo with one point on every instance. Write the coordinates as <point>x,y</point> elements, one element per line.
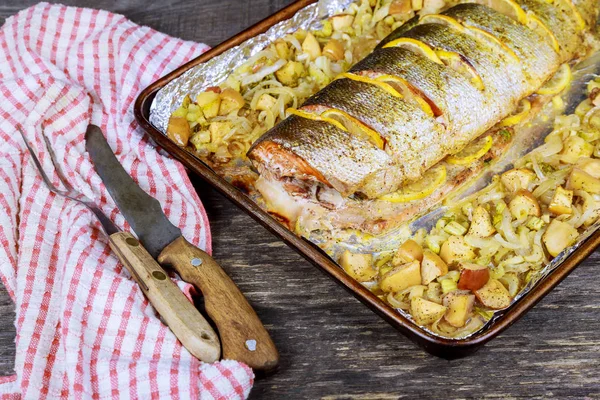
<point>429,89</point>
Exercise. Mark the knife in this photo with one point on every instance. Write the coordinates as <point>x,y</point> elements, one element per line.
<point>243,336</point>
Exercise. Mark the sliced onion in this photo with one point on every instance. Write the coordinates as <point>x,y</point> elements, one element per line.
<point>261,73</point>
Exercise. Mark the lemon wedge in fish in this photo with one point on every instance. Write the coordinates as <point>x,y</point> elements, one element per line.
<point>365,79</point>
<point>472,152</point>
<point>417,46</point>
<point>507,7</point>
<point>354,126</point>
<point>558,82</point>
<point>522,111</point>
<point>431,180</point>
<point>315,117</point>
<point>535,24</point>
<point>407,88</point>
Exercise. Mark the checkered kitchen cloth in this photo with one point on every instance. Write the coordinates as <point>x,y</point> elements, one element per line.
<point>84,328</point>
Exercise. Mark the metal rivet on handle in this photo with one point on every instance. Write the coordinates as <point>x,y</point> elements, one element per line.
<point>251,344</point>
<point>132,241</point>
<point>196,262</point>
<point>159,275</point>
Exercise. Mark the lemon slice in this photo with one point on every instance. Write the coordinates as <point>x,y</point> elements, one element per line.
<point>568,4</point>
<point>472,152</point>
<point>558,82</point>
<point>442,20</point>
<point>431,180</point>
<point>481,34</point>
<point>535,24</point>
<point>408,91</point>
<point>361,78</point>
<point>507,7</point>
<point>461,65</point>
<point>417,46</point>
<point>468,30</point>
<point>315,117</point>
<point>522,111</point>
<point>354,126</point>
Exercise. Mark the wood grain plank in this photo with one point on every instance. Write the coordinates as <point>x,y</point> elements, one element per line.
<point>331,346</point>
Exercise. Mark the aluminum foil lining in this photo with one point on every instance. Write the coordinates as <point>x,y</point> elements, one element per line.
<point>216,70</point>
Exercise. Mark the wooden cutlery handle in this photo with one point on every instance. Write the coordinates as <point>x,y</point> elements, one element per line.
<point>184,320</point>
<point>243,336</point>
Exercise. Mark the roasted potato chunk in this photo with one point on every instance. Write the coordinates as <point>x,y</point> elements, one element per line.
<point>358,266</point>
<point>524,204</point>
<point>401,277</point>
<point>426,312</point>
<point>459,307</point>
<point>559,236</point>
<point>455,249</point>
<point>493,295</point>
<point>409,251</point>
<point>178,130</point>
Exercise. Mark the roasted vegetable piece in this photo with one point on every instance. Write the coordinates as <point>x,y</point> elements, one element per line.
<point>265,102</point>
<point>574,148</point>
<point>290,73</point>
<point>209,102</point>
<point>561,202</point>
<point>426,312</point>
<point>231,100</point>
<point>581,180</point>
<point>358,266</point>
<point>559,236</point>
<point>516,179</point>
<point>311,46</point>
<point>472,276</point>
<point>334,50</point>
<point>493,295</point>
<point>409,251</point>
<point>400,7</point>
<point>481,223</point>
<point>218,130</point>
<point>341,21</point>
<point>456,249</point>
<point>590,166</point>
<point>282,49</point>
<point>179,130</point>
<point>432,267</point>
<point>460,307</point>
<point>524,204</point>
<point>206,98</point>
<point>401,277</point>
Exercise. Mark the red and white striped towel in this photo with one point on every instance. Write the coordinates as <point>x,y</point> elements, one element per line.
<point>84,328</point>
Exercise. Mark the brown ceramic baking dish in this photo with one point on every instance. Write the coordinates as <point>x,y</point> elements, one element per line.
<point>446,348</point>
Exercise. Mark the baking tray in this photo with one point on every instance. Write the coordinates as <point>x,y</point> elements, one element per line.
<point>446,348</point>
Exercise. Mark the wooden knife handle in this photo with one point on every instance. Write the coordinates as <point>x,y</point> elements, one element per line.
<point>184,320</point>
<point>243,336</point>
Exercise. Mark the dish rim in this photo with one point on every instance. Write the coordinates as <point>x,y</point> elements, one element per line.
<point>438,346</point>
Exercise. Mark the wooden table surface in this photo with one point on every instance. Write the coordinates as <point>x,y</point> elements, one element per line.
<point>331,345</point>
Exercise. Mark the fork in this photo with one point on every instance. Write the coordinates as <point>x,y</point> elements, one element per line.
<point>185,321</point>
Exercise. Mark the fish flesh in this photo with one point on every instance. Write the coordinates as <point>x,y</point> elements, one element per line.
<point>488,62</point>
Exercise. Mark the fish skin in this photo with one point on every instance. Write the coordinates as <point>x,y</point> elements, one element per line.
<point>450,91</point>
<point>588,10</point>
<point>344,161</point>
<point>503,79</point>
<point>535,52</point>
<point>561,23</point>
<point>409,132</point>
<point>505,83</point>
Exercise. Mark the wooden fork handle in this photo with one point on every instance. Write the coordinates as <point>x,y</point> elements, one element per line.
<point>184,320</point>
<point>243,336</point>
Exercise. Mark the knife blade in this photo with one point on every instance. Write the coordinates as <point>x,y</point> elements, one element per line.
<point>243,336</point>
